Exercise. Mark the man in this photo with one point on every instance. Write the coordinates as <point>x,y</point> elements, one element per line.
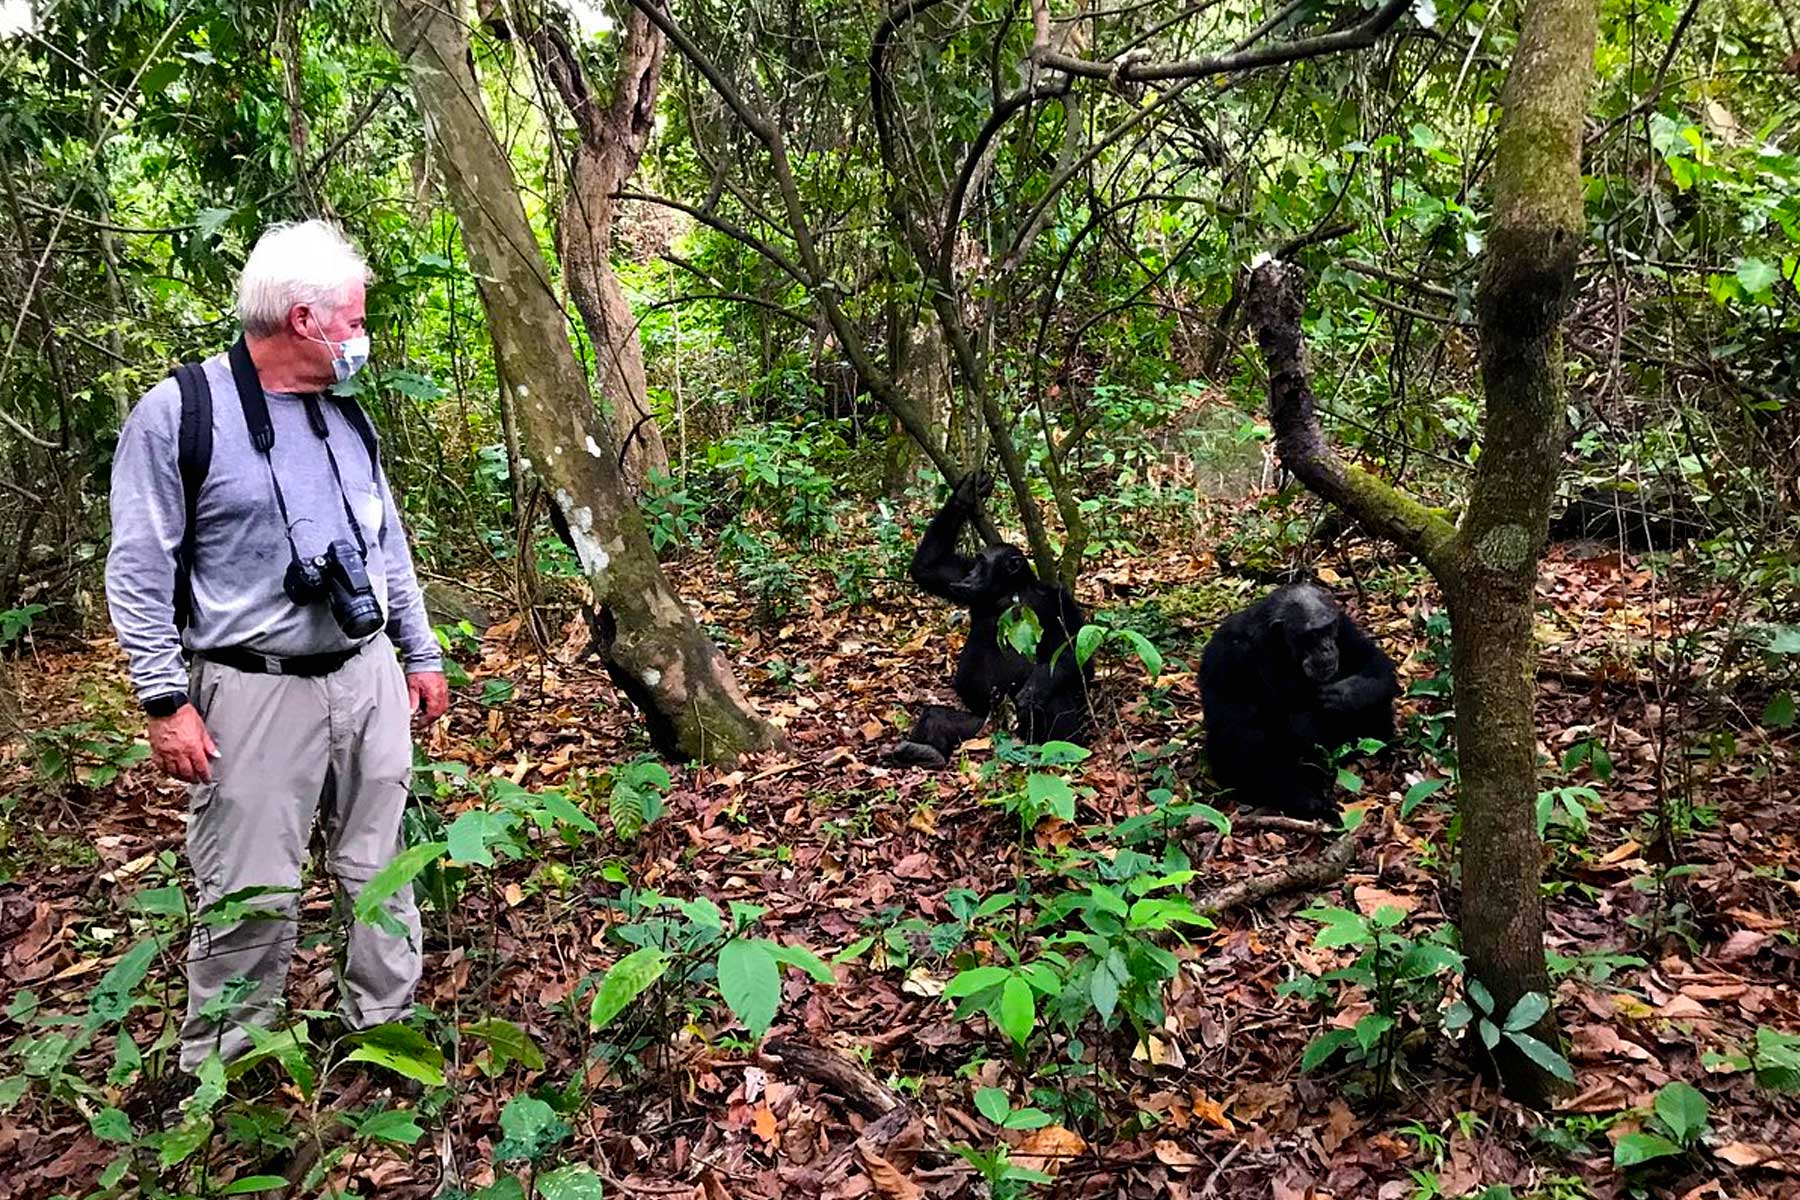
<point>266,663</point>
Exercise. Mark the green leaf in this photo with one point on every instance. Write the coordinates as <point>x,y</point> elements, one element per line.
<point>507,1043</point>
<point>1325,1045</point>
<point>168,901</point>
<point>371,903</point>
<point>974,980</point>
<point>210,1089</point>
<point>1022,629</point>
<point>625,980</point>
<point>115,1171</point>
<point>504,1188</point>
<point>471,834</point>
<point>1757,275</point>
<point>401,1049</point>
<point>1777,1059</point>
<point>286,1046</point>
<point>750,981</point>
<point>804,959</point>
<point>993,1104</point>
<point>1542,1055</point>
<point>1420,792</point>
<point>1342,928</point>
<point>569,1183</point>
<point>112,996</point>
<point>1636,1148</point>
<point>1087,640</point>
<point>1780,711</point>
<point>1147,654</point>
<point>253,1183</point>
<point>532,1130</point>
<point>12,1090</point>
<point>1484,999</point>
<point>1349,780</point>
<point>1051,793</point>
<point>156,79</point>
<point>1489,1033</point>
<point>395,1125</point>
<point>112,1125</point>
<point>1527,1012</point>
<point>1103,989</point>
<point>1016,1013</point>
<point>1370,1029</point>
<point>1425,958</point>
<point>179,1143</point>
<point>128,1060</point>
<point>1682,1108</point>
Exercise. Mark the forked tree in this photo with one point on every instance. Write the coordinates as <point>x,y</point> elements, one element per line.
<point>1487,562</point>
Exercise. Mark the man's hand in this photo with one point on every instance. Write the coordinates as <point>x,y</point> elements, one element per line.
<point>181,747</point>
<point>429,692</point>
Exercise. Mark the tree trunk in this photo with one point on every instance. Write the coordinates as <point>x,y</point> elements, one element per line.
<point>1488,565</point>
<point>610,145</point>
<point>651,645</point>
<point>1527,284</point>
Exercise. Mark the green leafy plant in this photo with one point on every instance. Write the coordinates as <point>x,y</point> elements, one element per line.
<point>1476,1008</point>
<point>688,943</point>
<point>1678,1120</point>
<point>1402,976</point>
<point>636,800</point>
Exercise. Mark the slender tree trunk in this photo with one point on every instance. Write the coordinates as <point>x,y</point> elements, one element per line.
<point>1527,285</point>
<point>610,145</point>
<point>652,647</point>
<point>1488,565</point>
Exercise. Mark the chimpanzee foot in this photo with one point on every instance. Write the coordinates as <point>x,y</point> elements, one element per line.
<point>916,754</point>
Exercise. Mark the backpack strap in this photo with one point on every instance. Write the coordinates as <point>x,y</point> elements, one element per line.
<point>194,451</point>
<point>250,396</point>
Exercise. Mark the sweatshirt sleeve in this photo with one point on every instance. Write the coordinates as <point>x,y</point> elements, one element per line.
<point>408,625</point>
<point>148,516</point>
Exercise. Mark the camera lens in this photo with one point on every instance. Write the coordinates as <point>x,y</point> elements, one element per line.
<point>358,615</point>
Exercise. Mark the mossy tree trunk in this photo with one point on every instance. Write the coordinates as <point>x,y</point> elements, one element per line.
<point>651,645</point>
<point>1487,564</point>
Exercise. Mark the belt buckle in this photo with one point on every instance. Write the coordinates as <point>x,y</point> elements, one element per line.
<point>271,665</point>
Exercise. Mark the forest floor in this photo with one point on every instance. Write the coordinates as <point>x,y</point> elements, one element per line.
<point>1666,974</point>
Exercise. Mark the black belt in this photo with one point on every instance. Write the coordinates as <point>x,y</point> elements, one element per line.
<point>308,666</point>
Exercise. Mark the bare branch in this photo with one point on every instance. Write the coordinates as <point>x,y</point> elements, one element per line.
<point>1275,304</point>
<point>1118,71</point>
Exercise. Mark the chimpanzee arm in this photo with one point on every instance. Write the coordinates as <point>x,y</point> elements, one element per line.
<point>937,566</point>
<point>1366,678</point>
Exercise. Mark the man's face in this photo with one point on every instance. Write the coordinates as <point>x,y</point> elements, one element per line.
<point>324,328</point>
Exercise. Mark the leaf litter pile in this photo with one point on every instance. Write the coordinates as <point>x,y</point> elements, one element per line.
<point>1672,873</point>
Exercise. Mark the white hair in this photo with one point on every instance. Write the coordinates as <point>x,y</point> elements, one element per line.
<point>308,262</point>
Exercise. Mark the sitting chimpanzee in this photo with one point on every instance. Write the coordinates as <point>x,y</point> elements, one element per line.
<point>1049,694</point>
<point>1283,683</point>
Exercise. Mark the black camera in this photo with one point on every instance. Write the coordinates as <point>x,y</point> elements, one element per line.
<point>337,574</point>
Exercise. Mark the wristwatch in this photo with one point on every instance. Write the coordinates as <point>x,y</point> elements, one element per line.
<point>165,705</point>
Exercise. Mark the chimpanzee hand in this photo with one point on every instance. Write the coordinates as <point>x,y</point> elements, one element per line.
<point>972,488</point>
<point>1337,697</point>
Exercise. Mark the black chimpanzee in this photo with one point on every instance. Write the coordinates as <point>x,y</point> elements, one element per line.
<point>1284,682</point>
<point>1049,694</point>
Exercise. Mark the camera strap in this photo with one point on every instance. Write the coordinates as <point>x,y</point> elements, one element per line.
<point>316,417</point>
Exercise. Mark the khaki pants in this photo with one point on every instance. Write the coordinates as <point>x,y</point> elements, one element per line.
<point>287,746</point>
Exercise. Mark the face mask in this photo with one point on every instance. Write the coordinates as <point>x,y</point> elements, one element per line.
<point>352,356</point>
<point>348,356</point>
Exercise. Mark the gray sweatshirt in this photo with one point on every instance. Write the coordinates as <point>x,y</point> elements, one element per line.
<point>241,552</point>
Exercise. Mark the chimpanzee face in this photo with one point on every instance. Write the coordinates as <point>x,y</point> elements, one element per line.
<point>998,571</point>
<point>1307,624</point>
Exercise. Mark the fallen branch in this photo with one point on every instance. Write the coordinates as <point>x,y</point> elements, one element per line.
<point>861,1090</point>
<point>1307,874</point>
